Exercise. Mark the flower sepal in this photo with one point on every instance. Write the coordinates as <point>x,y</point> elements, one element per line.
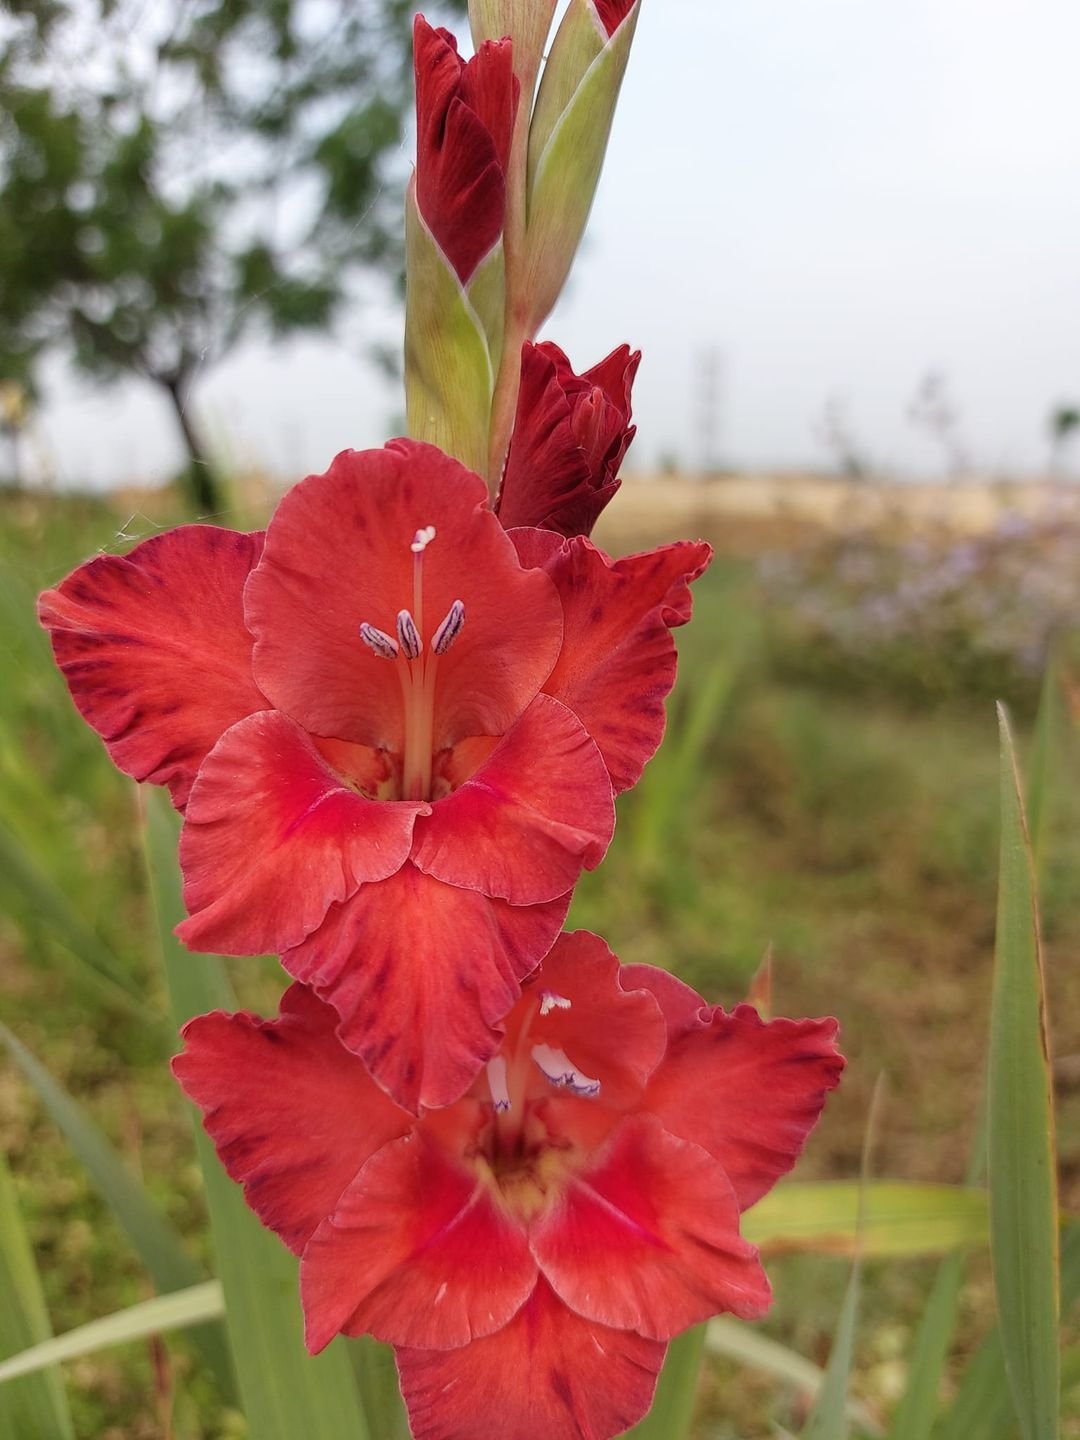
<point>453,340</point>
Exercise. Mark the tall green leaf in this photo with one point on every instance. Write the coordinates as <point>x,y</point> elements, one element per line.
<point>1043,750</point>
<point>914,1416</point>
<point>882,1218</point>
<point>745,1343</point>
<point>36,1406</point>
<point>95,966</point>
<point>829,1417</point>
<point>178,1311</point>
<point>1021,1152</point>
<point>286,1393</point>
<point>156,1242</point>
<point>376,1374</point>
<point>983,1405</point>
<point>673,1408</point>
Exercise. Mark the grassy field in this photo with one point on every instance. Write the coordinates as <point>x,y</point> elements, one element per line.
<point>851,829</point>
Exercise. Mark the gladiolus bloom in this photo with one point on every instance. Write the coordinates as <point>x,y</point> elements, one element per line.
<point>570,435</point>
<point>395,741</point>
<point>464,120</point>
<point>530,1249</point>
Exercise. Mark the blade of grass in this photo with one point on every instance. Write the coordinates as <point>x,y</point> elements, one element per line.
<point>178,1311</point>
<point>898,1218</point>
<point>736,1340</point>
<point>376,1375</point>
<point>983,1404</point>
<point>829,1417</point>
<point>667,785</point>
<point>38,1405</point>
<point>157,1244</point>
<point>1043,749</point>
<point>1021,1152</point>
<point>286,1393</point>
<point>914,1416</point>
<point>676,1392</point>
<point>96,965</point>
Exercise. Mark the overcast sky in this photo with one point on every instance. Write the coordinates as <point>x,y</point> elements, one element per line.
<point>829,197</point>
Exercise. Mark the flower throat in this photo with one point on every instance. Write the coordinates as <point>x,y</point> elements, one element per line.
<point>417,671</point>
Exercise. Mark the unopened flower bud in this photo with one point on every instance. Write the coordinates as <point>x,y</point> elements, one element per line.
<point>568,137</point>
<point>570,435</point>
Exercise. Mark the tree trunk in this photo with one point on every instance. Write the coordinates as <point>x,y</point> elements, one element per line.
<point>203,483</point>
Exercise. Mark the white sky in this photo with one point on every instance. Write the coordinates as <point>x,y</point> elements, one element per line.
<point>836,196</point>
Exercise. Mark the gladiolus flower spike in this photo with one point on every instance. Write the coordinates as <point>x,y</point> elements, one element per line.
<point>530,1249</point>
<point>395,729</point>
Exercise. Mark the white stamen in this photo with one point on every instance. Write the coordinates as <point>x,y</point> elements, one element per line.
<point>550,1001</point>
<point>408,635</point>
<point>500,1091</point>
<point>378,640</point>
<point>422,539</point>
<point>450,628</point>
<point>560,1071</point>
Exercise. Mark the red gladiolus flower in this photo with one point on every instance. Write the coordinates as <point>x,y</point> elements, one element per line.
<point>396,742</point>
<point>530,1249</point>
<point>464,119</point>
<point>570,435</point>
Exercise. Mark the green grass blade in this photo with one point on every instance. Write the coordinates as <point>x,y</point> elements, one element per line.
<point>983,1405</point>
<point>738,1341</point>
<point>898,1218</point>
<point>1045,744</point>
<point>1021,1152</point>
<point>36,1406</point>
<point>95,964</point>
<point>669,782</point>
<point>914,1416</point>
<point>177,1311</point>
<point>285,1392</point>
<point>157,1244</point>
<point>829,1418</point>
<point>673,1408</point>
<point>376,1374</point>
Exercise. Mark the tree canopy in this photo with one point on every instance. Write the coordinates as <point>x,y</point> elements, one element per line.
<point>178,174</point>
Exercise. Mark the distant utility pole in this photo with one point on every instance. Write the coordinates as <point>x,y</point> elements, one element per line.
<point>710,381</point>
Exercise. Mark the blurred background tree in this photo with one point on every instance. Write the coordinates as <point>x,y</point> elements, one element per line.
<point>178,174</point>
<point>1064,429</point>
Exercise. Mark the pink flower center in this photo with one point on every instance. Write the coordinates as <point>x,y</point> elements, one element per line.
<point>417,666</point>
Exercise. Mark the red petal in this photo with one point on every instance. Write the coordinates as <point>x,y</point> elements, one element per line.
<point>570,435</point>
<point>418,1252</point>
<point>464,121</point>
<point>647,1237</point>
<point>535,813</point>
<point>611,1031</point>
<point>613,12</point>
<point>273,837</point>
<point>683,1008</point>
<point>749,1092</point>
<point>293,1115</point>
<point>337,553</point>
<point>154,649</point>
<point>617,663</point>
<point>422,974</point>
<point>548,1374</point>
